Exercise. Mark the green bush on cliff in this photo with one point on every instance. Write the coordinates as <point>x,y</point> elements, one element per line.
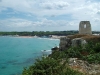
<point>55,64</point>
<point>90,53</point>
<point>49,66</point>
<point>58,55</point>
<point>93,58</point>
<point>44,66</point>
<point>73,52</point>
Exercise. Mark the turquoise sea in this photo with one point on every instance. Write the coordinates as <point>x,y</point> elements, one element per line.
<point>19,52</point>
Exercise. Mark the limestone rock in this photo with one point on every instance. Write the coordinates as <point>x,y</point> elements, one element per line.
<point>78,42</point>
<point>64,43</point>
<point>84,66</point>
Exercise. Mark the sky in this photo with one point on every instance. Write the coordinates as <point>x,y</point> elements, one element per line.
<point>48,15</point>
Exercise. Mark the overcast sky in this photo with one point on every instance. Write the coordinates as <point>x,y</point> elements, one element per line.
<point>48,15</point>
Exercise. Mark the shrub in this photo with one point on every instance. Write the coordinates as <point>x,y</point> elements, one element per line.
<point>73,52</point>
<point>44,66</point>
<point>49,66</point>
<point>58,55</point>
<point>93,58</point>
<point>54,65</point>
<point>97,47</point>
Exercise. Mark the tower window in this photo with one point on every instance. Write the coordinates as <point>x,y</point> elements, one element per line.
<point>85,26</point>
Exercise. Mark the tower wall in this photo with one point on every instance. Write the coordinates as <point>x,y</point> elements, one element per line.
<point>85,27</point>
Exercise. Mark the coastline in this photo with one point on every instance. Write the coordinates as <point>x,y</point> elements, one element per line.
<point>52,37</point>
<point>24,36</point>
<point>55,37</point>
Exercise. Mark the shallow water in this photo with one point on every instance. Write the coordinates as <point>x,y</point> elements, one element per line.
<point>17,52</point>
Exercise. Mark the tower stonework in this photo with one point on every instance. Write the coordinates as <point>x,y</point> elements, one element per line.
<point>85,27</point>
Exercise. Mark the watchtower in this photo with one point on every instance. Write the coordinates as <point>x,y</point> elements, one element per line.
<point>85,27</point>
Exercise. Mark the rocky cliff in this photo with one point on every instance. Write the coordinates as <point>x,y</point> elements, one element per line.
<point>77,63</point>
<point>76,40</point>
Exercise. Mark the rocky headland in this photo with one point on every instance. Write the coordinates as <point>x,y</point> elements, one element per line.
<point>76,63</point>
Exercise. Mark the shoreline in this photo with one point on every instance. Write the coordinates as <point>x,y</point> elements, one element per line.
<point>17,36</point>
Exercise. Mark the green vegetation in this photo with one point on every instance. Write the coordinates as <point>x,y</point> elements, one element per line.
<point>42,33</point>
<point>49,66</point>
<point>39,33</point>
<point>56,63</point>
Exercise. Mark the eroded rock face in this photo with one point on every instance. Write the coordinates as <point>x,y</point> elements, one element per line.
<point>64,43</point>
<point>78,42</point>
<point>84,66</point>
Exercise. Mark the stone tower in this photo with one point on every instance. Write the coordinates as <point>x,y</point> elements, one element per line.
<point>85,27</point>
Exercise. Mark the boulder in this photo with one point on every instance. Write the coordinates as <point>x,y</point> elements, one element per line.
<point>64,43</point>
<point>78,42</point>
<point>54,48</point>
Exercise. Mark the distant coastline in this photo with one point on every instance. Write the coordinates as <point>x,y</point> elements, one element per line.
<point>26,36</point>
<point>51,37</point>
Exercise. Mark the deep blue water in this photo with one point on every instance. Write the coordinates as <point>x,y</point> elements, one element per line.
<point>17,53</point>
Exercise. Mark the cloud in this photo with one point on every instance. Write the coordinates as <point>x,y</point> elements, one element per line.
<point>54,5</point>
<point>51,23</point>
<point>14,22</point>
<point>96,19</point>
<point>38,7</point>
<point>98,12</point>
<point>95,0</point>
<point>45,9</point>
<point>17,5</point>
<point>17,22</point>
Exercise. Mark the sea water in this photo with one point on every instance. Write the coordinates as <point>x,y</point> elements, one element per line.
<point>19,52</point>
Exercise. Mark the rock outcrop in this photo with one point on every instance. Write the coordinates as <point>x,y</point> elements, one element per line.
<point>78,42</point>
<point>84,66</point>
<point>65,43</point>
